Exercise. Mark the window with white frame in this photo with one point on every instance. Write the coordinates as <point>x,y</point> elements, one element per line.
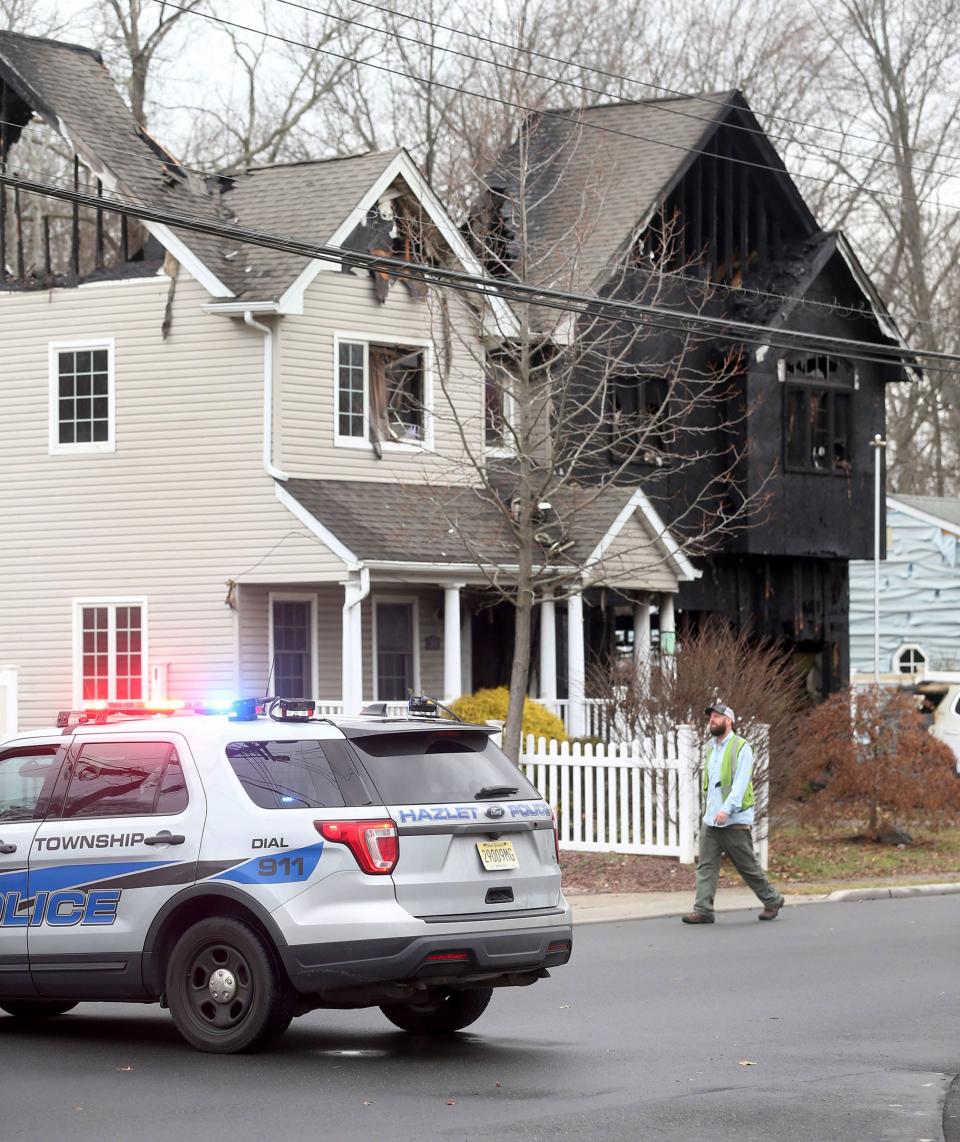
<point>498,406</point>
<point>110,650</point>
<point>81,396</point>
<point>382,393</point>
<point>910,659</point>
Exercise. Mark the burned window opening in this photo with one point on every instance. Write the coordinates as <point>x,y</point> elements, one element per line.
<point>639,416</point>
<point>381,394</point>
<point>818,430</point>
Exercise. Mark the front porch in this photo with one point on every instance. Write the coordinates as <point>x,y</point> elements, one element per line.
<point>380,639</point>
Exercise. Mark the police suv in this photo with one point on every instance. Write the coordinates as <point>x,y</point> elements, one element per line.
<point>242,868</point>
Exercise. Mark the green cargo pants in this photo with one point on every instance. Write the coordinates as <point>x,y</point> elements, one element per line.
<point>737,842</point>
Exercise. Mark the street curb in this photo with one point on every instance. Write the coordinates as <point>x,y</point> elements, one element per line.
<point>605,908</point>
<point>894,892</point>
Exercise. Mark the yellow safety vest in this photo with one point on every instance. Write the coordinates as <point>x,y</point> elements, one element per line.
<point>727,762</point>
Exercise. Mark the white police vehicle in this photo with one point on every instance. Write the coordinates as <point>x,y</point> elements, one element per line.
<point>245,868</point>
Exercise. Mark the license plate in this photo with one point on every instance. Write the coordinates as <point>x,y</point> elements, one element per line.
<point>497,855</point>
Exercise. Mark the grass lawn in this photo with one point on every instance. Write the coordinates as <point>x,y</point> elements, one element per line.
<point>803,855</point>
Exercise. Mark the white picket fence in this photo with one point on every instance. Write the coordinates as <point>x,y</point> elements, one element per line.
<point>629,797</point>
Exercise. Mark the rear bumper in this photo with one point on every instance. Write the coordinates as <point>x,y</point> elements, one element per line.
<point>324,969</point>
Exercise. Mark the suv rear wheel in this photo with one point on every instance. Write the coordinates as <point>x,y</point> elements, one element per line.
<point>224,989</point>
<point>35,1008</point>
<point>446,1011</point>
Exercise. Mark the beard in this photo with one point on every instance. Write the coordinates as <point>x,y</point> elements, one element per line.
<point>718,731</point>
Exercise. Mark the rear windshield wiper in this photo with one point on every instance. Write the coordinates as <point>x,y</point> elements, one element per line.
<point>495,791</point>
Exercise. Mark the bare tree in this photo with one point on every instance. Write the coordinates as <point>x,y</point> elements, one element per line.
<point>284,103</point>
<point>134,34</point>
<point>899,78</point>
<point>578,407</point>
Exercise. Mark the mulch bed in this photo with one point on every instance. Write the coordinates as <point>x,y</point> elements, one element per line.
<point>615,872</point>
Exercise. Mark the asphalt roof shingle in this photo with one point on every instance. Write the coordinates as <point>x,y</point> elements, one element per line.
<point>946,508</point>
<point>405,523</point>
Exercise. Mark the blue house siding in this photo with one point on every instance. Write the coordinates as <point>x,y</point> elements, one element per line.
<point>919,587</point>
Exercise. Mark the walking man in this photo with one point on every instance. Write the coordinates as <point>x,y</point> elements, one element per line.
<point>727,822</point>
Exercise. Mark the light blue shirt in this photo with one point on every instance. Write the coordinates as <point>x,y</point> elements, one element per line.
<point>741,778</point>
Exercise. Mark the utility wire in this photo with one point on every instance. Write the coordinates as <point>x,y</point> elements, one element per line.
<point>809,304</point>
<point>781,172</point>
<point>661,108</point>
<point>842,132</point>
<point>675,321</point>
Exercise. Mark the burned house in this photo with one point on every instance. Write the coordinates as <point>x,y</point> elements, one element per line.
<point>753,440</point>
<point>229,467</point>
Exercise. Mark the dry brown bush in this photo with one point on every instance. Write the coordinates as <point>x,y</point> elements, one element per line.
<point>868,753</point>
<point>759,681</point>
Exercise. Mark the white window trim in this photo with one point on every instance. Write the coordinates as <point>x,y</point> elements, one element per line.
<point>295,597</point>
<point>109,601</point>
<point>410,599</point>
<point>895,663</point>
<point>368,339</point>
<point>54,349</point>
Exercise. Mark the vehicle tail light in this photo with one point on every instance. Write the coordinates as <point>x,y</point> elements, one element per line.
<point>556,834</point>
<point>374,844</point>
<point>446,957</point>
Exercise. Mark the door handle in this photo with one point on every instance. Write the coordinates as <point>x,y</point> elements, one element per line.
<point>7,849</point>
<point>165,839</point>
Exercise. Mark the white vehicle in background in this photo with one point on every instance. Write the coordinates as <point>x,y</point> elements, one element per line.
<point>938,700</point>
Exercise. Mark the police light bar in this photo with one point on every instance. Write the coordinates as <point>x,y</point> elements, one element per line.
<point>98,712</point>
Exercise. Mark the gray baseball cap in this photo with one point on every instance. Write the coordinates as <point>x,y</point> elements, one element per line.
<point>720,708</point>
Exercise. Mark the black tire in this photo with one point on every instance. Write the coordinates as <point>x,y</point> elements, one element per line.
<point>255,1002</point>
<point>35,1008</point>
<point>447,1012</point>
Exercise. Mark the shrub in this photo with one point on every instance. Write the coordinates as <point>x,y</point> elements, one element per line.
<point>869,752</point>
<point>491,705</point>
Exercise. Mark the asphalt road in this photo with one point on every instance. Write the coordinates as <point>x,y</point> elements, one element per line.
<point>848,1014</point>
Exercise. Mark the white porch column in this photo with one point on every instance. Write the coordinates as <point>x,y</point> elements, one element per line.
<point>668,635</point>
<point>354,592</point>
<point>641,629</point>
<point>576,671</point>
<point>548,651</point>
<point>452,686</point>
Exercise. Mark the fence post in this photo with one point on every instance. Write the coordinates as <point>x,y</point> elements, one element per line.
<point>761,830</point>
<point>686,801</point>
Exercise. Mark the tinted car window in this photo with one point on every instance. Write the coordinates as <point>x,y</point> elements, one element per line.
<point>126,779</point>
<point>23,773</point>
<point>419,768</point>
<point>285,774</point>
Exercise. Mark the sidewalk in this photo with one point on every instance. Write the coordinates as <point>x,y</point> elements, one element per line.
<point>597,907</point>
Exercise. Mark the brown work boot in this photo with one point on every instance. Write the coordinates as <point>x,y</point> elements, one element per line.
<point>697,918</point>
<point>772,910</point>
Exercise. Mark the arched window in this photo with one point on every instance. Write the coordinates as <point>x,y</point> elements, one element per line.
<point>909,659</point>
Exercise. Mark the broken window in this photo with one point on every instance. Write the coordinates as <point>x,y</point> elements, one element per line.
<point>638,419</point>
<point>381,393</point>
<point>497,405</point>
<point>818,429</point>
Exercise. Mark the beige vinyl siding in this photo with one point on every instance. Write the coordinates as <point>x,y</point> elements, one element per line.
<point>344,304</point>
<point>635,559</point>
<point>182,506</point>
<point>255,649</point>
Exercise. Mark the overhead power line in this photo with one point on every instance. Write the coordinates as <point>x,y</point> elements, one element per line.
<point>574,120</point>
<point>649,86</point>
<point>672,320</point>
<point>811,305</point>
<point>500,65</point>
